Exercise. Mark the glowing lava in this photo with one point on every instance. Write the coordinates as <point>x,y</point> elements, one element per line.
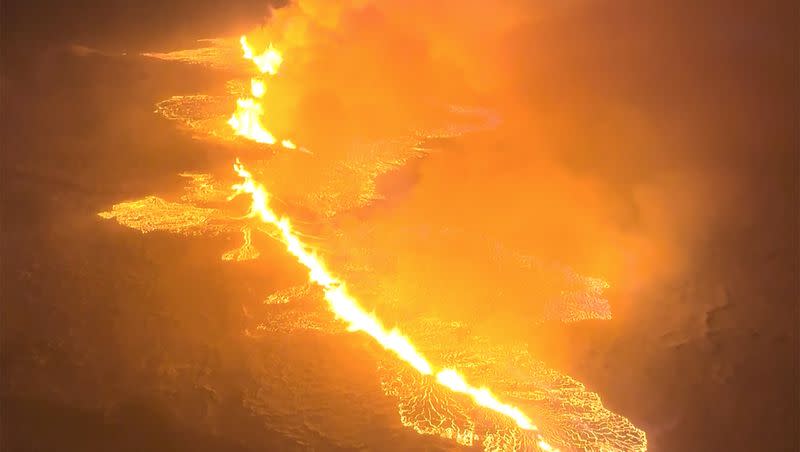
<point>566,412</point>
<point>247,120</point>
<point>245,252</point>
<point>347,308</point>
<point>268,62</point>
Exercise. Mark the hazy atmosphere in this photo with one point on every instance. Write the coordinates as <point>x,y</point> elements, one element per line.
<point>588,207</point>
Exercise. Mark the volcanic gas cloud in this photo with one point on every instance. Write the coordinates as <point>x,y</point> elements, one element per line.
<point>369,88</point>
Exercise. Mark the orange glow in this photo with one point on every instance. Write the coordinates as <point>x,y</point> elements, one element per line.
<point>347,308</point>
<point>483,397</point>
<point>245,252</point>
<point>268,61</point>
<point>383,103</point>
<point>257,88</point>
<point>248,119</point>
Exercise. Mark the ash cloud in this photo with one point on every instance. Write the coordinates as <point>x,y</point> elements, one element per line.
<point>633,133</point>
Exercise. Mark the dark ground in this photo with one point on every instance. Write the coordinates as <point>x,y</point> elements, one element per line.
<point>707,362</point>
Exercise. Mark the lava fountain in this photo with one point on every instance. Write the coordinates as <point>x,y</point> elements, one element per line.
<point>247,120</point>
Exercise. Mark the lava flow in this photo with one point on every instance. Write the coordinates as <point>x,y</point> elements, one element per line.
<point>432,397</point>
<point>247,120</point>
<point>347,308</point>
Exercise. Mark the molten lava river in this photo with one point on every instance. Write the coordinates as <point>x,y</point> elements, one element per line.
<point>447,379</point>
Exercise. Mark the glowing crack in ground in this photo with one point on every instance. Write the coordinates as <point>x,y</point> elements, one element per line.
<point>348,309</point>
<point>567,414</point>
